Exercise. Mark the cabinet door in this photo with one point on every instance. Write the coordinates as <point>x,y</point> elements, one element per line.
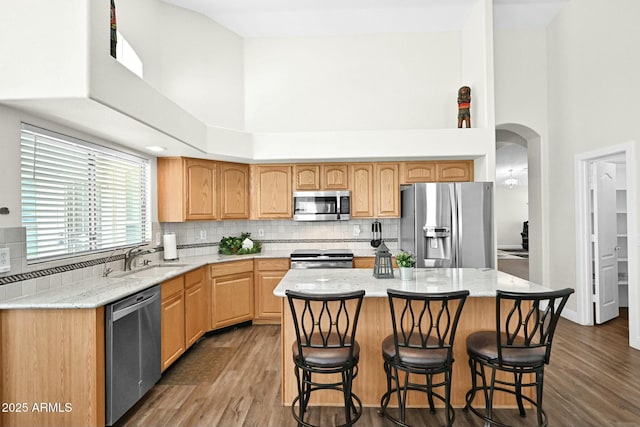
<point>196,320</point>
<point>306,177</point>
<point>271,192</point>
<point>335,177</point>
<point>361,179</point>
<point>387,190</point>
<point>234,191</point>
<point>268,273</point>
<point>455,171</point>
<point>232,299</point>
<point>200,188</point>
<point>173,331</point>
<point>412,172</point>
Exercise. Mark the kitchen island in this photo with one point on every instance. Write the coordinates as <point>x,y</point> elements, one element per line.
<point>375,322</point>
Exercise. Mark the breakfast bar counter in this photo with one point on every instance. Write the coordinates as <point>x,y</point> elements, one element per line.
<point>375,322</point>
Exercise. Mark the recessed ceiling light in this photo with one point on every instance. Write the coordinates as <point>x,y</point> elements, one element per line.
<point>155,148</point>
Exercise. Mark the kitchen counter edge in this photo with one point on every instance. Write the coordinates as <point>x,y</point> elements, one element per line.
<point>96,292</point>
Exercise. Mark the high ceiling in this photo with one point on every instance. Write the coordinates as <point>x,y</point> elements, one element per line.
<point>288,18</point>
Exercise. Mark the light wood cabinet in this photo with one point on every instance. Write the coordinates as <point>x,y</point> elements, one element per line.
<point>334,176</point>
<point>186,189</point>
<point>173,321</point>
<point>231,293</point>
<point>369,262</point>
<point>454,171</point>
<point>306,177</point>
<point>200,190</point>
<point>375,190</point>
<point>196,308</point>
<point>412,172</point>
<point>267,275</point>
<point>55,356</point>
<point>323,176</point>
<point>234,191</point>
<point>271,195</point>
<point>436,171</point>
<point>361,179</point>
<point>387,190</point>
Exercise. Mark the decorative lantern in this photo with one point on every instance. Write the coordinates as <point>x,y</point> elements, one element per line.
<point>383,267</point>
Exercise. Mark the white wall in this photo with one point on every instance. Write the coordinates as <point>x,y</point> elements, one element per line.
<point>43,49</point>
<point>353,82</point>
<point>189,58</point>
<point>512,209</point>
<point>593,80</point>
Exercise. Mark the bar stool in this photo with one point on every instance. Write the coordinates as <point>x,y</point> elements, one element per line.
<point>325,326</point>
<point>520,345</point>
<point>424,328</point>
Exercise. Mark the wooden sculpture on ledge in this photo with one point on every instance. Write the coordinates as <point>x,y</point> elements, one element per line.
<point>464,106</point>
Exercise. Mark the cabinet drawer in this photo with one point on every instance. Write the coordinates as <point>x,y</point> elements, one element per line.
<point>226,268</point>
<point>194,277</point>
<point>172,286</point>
<point>273,264</point>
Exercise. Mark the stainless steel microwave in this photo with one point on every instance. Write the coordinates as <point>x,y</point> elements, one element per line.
<point>321,205</point>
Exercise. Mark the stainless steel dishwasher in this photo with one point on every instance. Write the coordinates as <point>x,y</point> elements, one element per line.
<point>133,353</point>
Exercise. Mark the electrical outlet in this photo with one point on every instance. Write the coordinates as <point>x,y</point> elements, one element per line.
<point>356,230</point>
<point>5,260</point>
<point>260,232</point>
<point>203,234</point>
<point>158,241</point>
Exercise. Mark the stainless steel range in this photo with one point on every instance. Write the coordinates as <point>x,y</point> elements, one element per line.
<point>322,258</point>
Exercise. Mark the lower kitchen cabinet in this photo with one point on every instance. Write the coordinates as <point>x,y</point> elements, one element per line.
<point>231,293</point>
<point>268,273</point>
<point>173,321</point>
<point>57,357</point>
<point>196,308</point>
<point>369,262</point>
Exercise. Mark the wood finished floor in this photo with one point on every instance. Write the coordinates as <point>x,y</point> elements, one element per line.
<point>592,380</point>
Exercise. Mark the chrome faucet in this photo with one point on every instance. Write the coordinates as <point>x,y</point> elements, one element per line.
<point>133,253</point>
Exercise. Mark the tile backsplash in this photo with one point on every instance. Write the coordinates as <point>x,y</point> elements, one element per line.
<point>193,239</point>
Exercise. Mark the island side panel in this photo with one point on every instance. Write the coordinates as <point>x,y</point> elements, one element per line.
<point>374,325</point>
<point>53,361</point>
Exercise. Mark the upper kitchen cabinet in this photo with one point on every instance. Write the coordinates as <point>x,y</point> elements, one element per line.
<point>412,172</point>
<point>271,195</point>
<point>375,190</point>
<point>334,176</point>
<point>186,189</point>
<point>440,171</point>
<point>454,171</point>
<point>361,178</point>
<point>306,177</point>
<point>386,187</point>
<point>324,176</point>
<point>234,191</point>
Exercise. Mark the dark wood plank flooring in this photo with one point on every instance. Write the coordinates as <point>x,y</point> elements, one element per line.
<point>593,380</point>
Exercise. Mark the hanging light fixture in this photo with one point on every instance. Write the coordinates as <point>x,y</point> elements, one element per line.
<point>511,181</point>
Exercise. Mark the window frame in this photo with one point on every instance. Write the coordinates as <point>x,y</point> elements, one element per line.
<point>102,211</point>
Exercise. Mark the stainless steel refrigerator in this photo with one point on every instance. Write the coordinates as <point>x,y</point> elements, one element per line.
<point>448,224</point>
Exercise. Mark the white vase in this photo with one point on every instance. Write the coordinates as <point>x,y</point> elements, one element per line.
<point>406,273</point>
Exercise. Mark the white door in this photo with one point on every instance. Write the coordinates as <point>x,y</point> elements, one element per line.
<point>605,242</point>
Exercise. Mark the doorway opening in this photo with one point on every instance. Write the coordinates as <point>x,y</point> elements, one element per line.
<point>606,270</point>
<point>512,203</point>
<point>528,172</point>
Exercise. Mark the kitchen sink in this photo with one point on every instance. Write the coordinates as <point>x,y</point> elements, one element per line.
<point>158,270</point>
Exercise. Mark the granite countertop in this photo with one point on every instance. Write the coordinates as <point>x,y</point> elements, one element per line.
<point>481,282</point>
<point>99,291</point>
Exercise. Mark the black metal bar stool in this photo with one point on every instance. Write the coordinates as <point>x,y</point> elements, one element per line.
<point>424,328</point>
<point>520,345</point>
<point>325,326</point>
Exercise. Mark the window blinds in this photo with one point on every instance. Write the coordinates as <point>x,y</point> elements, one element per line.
<point>79,197</point>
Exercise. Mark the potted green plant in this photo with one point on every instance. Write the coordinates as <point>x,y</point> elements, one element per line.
<point>405,263</point>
